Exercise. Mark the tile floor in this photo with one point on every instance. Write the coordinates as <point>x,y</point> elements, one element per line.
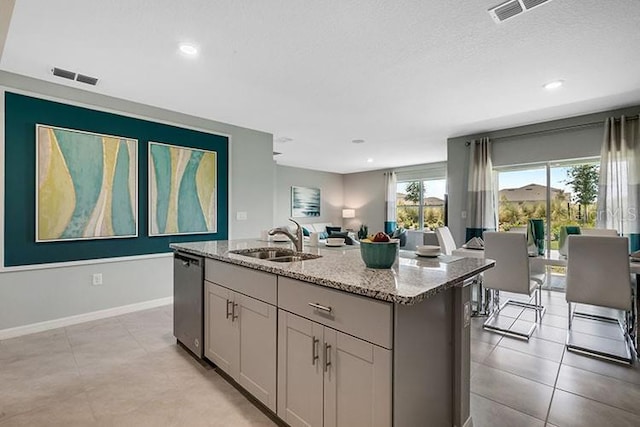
<point>128,371</point>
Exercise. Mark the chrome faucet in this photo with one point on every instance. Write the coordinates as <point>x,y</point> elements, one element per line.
<point>297,239</point>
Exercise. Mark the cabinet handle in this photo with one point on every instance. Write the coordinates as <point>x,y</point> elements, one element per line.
<point>320,307</point>
<point>314,350</point>
<point>228,313</point>
<point>327,353</point>
<point>234,316</point>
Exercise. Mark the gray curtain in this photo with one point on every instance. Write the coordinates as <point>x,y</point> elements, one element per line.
<point>390,223</point>
<point>481,202</point>
<point>619,185</point>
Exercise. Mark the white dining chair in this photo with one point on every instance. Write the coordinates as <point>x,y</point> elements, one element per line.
<point>598,273</point>
<point>445,240</point>
<point>511,274</point>
<point>599,232</point>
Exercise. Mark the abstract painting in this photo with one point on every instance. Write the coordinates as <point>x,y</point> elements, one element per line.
<point>305,202</point>
<point>86,185</point>
<point>182,190</point>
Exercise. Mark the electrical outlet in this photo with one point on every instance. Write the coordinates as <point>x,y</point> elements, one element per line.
<point>241,216</point>
<point>463,214</point>
<point>97,279</point>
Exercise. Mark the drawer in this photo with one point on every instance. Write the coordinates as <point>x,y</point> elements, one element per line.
<point>362,317</point>
<point>256,284</point>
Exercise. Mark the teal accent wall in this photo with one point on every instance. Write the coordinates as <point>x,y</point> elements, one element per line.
<point>22,113</point>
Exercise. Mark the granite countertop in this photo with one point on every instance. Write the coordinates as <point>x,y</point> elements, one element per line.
<point>411,279</point>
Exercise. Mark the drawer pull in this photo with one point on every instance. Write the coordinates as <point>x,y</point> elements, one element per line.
<point>320,307</point>
<point>314,350</point>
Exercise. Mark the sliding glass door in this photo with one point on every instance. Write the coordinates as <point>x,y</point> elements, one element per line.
<point>560,193</point>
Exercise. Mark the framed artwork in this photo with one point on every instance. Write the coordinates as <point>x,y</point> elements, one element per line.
<point>86,185</point>
<point>182,190</point>
<point>305,202</point>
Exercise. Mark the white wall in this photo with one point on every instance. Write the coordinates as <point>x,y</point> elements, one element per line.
<point>331,194</point>
<point>365,192</point>
<point>31,296</point>
<point>571,138</point>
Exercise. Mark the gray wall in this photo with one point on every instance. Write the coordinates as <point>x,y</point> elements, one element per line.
<point>32,296</point>
<point>331,194</point>
<point>365,192</point>
<point>571,138</point>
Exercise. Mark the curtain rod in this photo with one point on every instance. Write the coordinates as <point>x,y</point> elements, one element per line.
<point>560,129</point>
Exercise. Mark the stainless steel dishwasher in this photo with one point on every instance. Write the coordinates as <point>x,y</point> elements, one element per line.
<point>188,301</point>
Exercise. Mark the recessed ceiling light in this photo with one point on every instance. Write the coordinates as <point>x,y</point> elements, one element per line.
<point>283,139</point>
<point>358,141</point>
<point>554,84</point>
<point>369,160</point>
<point>188,49</point>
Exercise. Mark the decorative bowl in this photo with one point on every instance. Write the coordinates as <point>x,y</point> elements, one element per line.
<point>379,254</point>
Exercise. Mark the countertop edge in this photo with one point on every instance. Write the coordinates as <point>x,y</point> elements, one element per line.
<point>356,290</point>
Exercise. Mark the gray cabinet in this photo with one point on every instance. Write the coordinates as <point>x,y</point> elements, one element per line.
<point>328,378</point>
<point>240,338</point>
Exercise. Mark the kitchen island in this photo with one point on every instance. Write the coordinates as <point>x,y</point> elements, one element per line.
<point>329,342</point>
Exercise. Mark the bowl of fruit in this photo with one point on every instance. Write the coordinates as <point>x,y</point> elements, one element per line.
<point>379,251</point>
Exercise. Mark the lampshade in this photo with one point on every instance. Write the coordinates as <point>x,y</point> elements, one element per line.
<point>348,213</point>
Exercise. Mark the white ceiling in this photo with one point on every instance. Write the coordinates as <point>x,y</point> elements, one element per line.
<point>404,75</point>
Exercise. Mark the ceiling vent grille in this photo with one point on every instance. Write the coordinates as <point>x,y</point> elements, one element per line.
<point>530,4</point>
<point>513,8</point>
<point>66,74</point>
<point>86,79</point>
<point>59,72</point>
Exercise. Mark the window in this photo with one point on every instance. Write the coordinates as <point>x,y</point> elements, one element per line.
<point>421,204</point>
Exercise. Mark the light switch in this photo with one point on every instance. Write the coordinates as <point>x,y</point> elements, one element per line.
<point>463,214</point>
<point>241,216</point>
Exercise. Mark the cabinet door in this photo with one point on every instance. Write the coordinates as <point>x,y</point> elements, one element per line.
<point>357,387</point>
<point>300,375</point>
<point>221,336</point>
<point>257,364</point>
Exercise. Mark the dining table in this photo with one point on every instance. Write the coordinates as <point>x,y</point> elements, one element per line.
<point>553,258</point>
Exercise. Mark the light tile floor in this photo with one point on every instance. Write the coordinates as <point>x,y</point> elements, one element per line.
<point>128,371</point>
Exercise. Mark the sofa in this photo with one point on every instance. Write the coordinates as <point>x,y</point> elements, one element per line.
<point>321,228</point>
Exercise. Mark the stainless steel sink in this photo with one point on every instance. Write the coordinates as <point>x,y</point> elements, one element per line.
<point>275,254</point>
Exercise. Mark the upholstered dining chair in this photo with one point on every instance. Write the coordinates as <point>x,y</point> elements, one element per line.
<point>598,273</point>
<point>445,240</point>
<point>511,274</point>
<point>599,232</point>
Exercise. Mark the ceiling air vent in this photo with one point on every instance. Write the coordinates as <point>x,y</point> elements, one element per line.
<point>513,8</point>
<point>86,79</point>
<point>530,4</point>
<point>64,73</point>
<point>506,10</point>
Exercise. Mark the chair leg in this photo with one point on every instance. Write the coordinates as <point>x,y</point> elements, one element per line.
<point>629,359</point>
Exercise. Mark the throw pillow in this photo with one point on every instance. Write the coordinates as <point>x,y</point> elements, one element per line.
<point>323,235</point>
<point>305,232</point>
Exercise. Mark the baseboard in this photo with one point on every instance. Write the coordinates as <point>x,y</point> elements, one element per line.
<point>81,318</point>
<point>468,423</point>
